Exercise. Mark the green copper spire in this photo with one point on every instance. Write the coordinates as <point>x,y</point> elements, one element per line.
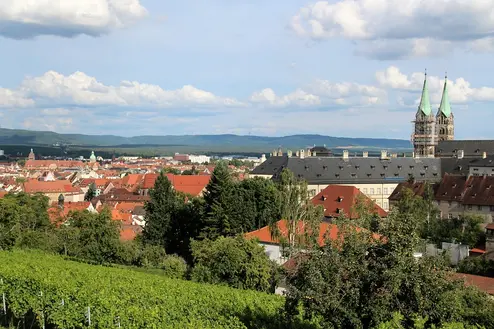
<point>445,108</point>
<point>425,105</point>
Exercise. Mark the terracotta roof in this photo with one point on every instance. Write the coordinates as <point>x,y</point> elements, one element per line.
<point>127,206</point>
<point>56,213</point>
<point>451,188</point>
<point>188,184</point>
<point>3,193</point>
<point>479,190</point>
<point>100,182</point>
<point>57,163</point>
<point>129,232</point>
<point>339,199</point>
<point>121,216</point>
<point>132,179</point>
<point>483,283</point>
<point>326,231</point>
<point>58,186</point>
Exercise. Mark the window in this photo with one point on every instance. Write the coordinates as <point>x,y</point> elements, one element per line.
<point>469,207</point>
<point>385,190</point>
<point>479,208</point>
<point>450,216</point>
<point>378,191</point>
<point>385,205</point>
<point>371,191</point>
<point>365,190</point>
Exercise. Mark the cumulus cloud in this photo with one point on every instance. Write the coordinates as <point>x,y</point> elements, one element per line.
<point>79,89</point>
<point>459,90</point>
<point>388,29</point>
<point>24,19</point>
<point>320,93</point>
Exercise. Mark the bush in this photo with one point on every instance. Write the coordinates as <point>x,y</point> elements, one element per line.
<point>237,262</point>
<point>174,267</point>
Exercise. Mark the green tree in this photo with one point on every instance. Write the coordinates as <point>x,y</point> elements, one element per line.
<point>91,192</point>
<point>171,170</point>
<point>93,237</point>
<point>234,261</point>
<point>160,210</point>
<point>302,217</point>
<point>359,280</point>
<point>477,266</point>
<point>218,203</point>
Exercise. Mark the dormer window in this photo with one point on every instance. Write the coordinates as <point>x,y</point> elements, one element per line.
<point>385,167</point>
<point>369,174</point>
<point>340,199</point>
<point>396,174</point>
<point>323,198</point>
<point>337,175</point>
<point>434,174</point>
<point>422,174</point>
<point>306,167</point>
<point>325,167</point>
<point>400,167</point>
<point>373,167</point>
<point>354,175</point>
<point>318,175</point>
<point>341,167</point>
<point>338,210</point>
<point>426,167</point>
<point>357,167</point>
<point>411,167</point>
<point>382,175</point>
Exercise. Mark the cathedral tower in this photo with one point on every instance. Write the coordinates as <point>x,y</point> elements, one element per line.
<point>424,136</point>
<point>445,126</point>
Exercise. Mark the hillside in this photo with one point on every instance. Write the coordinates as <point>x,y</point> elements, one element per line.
<point>122,298</point>
<point>28,137</point>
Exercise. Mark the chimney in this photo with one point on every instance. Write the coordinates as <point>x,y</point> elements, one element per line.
<point>394,155</point>
<point>308,152</point>
<point>365,154</point>
<point>384,154</point>
<point>413,154</point>
<point>302,154</point>
<point>484,155</point>
<point>263,158</point>
<point>297,153</point>
<point>460,154</point>
<point>345,154</point>
<point>289,153</point>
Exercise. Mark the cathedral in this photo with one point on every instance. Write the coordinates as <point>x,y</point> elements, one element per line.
<point>430,129</point>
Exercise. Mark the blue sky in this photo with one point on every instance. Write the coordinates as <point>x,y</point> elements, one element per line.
<point>341,68</point>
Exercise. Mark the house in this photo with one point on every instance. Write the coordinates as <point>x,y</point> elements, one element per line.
<point>193,185</point>
<point>272,245</point>
<point>339,199</point>
<point>60,213</point>
<point>53,164</point>
<point>53,189</point>
<point>100,185</point>
<point>376,177</point>
<point>457,195</point>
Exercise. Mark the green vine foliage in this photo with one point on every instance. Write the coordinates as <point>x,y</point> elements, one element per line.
<point>60,292</point>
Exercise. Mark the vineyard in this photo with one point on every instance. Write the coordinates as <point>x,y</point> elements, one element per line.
<point>44,291</point>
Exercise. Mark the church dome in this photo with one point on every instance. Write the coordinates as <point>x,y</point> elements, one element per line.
<point>92,158</point>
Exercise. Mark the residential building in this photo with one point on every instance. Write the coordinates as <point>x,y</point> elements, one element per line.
<point>456,195</point>
<point>338,200</point>
<point>375,177</point>
<point>54,189</point>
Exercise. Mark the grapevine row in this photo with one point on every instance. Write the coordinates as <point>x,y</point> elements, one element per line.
<point>66,294</point>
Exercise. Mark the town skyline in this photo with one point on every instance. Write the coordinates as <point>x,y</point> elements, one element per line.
<point>153,68</point>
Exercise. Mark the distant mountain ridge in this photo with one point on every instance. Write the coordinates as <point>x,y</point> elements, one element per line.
<point>29,137</point>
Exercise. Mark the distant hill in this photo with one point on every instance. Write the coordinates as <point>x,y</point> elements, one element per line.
<point>28,137</point>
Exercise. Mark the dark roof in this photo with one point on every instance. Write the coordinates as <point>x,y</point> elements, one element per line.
<point>417,188</point>
<point>487,162</point>
<point>451,188</point>
<point>456,166</point>
<point>471,148</point>
<point>473,190</point>
<point>336,170</point>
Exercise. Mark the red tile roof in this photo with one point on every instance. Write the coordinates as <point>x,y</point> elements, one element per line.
<point>339,199</point>
<point>188,184</point>
<point>58,186</point>
<point>129,232</point>
<point>127,206</point>
<point>32,164</point>
<point>483,283</point>
<point>56,213</point>
<point>326,231</point>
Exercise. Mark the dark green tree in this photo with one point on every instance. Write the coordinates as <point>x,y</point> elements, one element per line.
<point>234,261</point>
<point>91,192</point>
<point>218,203</point>
<point>160,210</point>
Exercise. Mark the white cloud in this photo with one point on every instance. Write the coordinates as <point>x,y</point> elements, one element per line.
<point>400,28</point>
<point>10,98</point>
<point>83,90</point>
<point>22,19</point>
<point>55,112</point>
<point>297,98</point>
<point>459,90</point>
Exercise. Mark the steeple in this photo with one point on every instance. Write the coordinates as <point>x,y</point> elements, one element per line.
<point>425,105</point>
<point>445,108</point>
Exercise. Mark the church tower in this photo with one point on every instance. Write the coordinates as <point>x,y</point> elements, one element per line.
<point>424,136</point>
<point>445,126</point>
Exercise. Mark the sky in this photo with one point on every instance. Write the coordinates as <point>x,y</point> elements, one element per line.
<point>351,68</point>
